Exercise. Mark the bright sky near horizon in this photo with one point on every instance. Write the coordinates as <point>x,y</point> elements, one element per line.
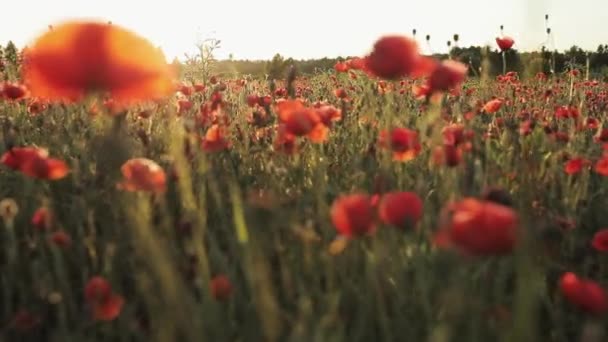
<point>316,28</point>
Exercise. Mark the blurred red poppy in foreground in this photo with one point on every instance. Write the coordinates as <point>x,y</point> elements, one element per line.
<point>447,75</point>
<point>400,209</point>
<point>105,305</point>
<point>77,58</point>
<point>35,162</point>
<point>479,228</point>
<point>585,294</point>
<point>505,43</point>
<point>353,215</point>
<point>141,174</point>
<point>393,57</point>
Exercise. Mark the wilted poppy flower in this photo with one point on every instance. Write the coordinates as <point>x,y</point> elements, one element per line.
<point>142,174</point>
<point>353,215</point>
<point>393,57</point>
<point>447,75</point>
<point>493,106</point>
<point>600,241</point>
<point>402,141</point>
<point>35,162</point>
<point>221,288</point>
<point>575,165</point>
<point>505,43</point>
<point>215,139</point>
<point>77,58</point>
<point>105,305</point>
<point>400,209</point>
<point>480,227</point>
<point>585,294</point>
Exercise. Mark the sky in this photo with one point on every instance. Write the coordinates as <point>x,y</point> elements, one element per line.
<point>318,28</point>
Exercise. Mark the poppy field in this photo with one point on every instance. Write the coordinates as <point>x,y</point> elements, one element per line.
<point>395,197</point>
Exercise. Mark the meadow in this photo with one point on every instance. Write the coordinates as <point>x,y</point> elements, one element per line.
<point>393,198</point>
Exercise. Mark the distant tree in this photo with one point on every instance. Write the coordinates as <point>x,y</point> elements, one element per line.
<point>275,68</point>
<point>11,53</point>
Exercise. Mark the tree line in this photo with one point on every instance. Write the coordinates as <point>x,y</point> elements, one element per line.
<point>527,64</point>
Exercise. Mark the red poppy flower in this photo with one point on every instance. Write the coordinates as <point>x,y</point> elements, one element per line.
<point>505,43</point>
<point>393,57</point>
<point>575,165</point>
<point>109,308</point>
<point>567,112</point>
<point>215,139</point>
<point>340,93</point>
<point>585,294</point>
<point>199,88</point>
<point>353,215</point>
<point>77,58</point>
<point>25,321</point>
<point>36,107</point>
<point>341,67</point>
<point>449,155</point>
<point>221,288</point>
<point>329,114</point>
<point>600,241</point>
<point>400,209</point>
<point>185,90</point>
<point>601,167</point>
<point>284,141</point>
<point>184,106</point>
<point>447,75</point>
<point>356,63</point>
<point>13,91</point>
<point>300,120</point>
<point>421,91</point>
<point>252,100</point>
<point>61,239</point>
<point>142,174</point>
<point>105,305</point>
<point>402,141</point>
<point>492,106</point>
<point>42,219</point>
<point>480,227</point>
<point>45,168</point>
<point>35,162</point>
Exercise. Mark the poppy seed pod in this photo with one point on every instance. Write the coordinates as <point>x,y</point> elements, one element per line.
<point>428,37</point>
<point>456,38</point>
